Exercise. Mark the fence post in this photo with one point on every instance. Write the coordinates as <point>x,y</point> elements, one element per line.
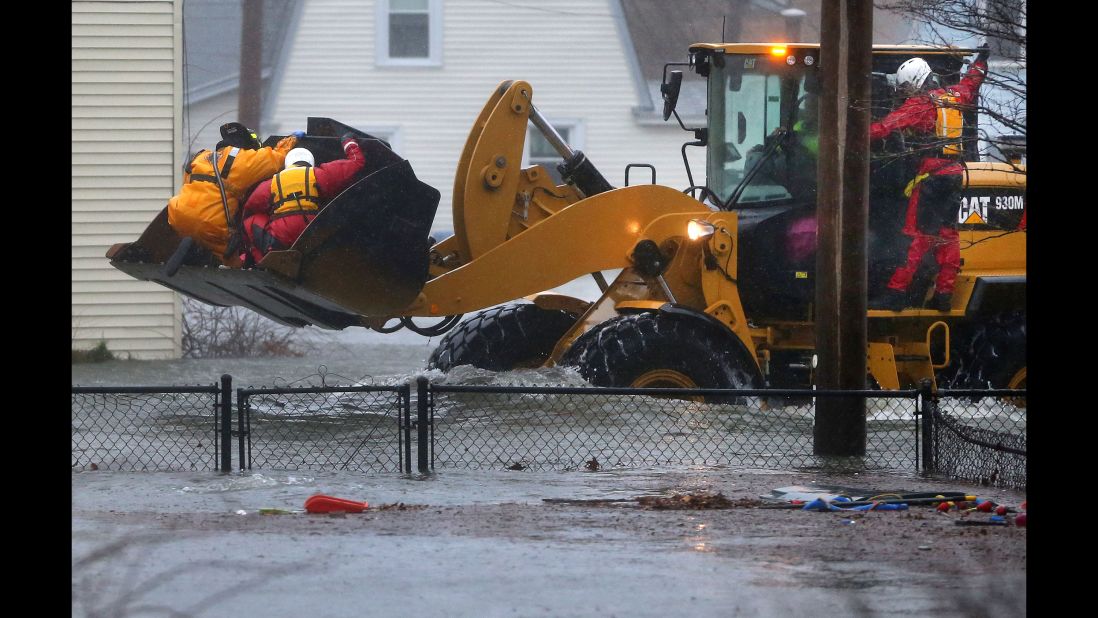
<point>226,422</point>
<point>242,432</point>
<point>406,421</point>
<point>928,406</point>
<point>421,424</point>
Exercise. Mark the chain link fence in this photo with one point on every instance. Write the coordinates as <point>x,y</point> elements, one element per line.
<point>355,428</point>
<point>974,435</point>
<point>146,428</point>
<point>592,428</point>
<point>980,436</point>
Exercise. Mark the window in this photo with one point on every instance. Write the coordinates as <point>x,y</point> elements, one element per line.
<point>409,32</point>
<point>540,152</point>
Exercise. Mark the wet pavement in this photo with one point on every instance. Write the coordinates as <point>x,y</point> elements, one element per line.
<point>487,543</point>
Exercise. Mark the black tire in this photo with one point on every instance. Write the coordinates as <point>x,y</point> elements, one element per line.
<point>660,350</point>
<point>990,353</point>
<point>503,338</point>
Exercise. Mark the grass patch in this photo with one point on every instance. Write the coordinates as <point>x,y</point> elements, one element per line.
<point>98,354</point>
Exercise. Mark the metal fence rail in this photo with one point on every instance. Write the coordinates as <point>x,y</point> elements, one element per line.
<point>570,428</point>
<point>324,428</point>
<point>980,435</point>
<point>146,427</point>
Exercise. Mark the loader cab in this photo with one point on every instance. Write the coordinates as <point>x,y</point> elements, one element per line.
<point>763,127</point>
<point>765,97</point>
<point>763,137</point>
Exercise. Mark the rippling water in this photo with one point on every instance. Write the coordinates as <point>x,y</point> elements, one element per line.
<point>343,362</point>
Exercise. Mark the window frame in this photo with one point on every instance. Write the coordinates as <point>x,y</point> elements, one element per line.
<point>434,37</point>
<point>576,137</point>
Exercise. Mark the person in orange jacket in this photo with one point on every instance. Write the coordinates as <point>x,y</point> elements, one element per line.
<point>280,209</point>
<point>206,207</point>
<point>930,118</point>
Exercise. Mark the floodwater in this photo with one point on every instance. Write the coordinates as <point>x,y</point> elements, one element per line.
<point>493,543</point>
<point>484,542</point>
<point>344,362</point>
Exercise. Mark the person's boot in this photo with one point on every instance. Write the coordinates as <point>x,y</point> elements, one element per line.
<point>940,302</point>
<point>889,300</point>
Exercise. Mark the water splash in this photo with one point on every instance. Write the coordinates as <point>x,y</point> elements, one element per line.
<point>247,482</point>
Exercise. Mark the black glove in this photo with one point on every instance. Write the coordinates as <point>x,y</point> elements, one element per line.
<point>983,53</point>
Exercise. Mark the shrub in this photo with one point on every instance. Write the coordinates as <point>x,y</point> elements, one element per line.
<point>216,332</point>
<point>98,354</point>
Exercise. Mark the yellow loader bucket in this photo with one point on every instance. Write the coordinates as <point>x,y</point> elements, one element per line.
<point>365,254</point>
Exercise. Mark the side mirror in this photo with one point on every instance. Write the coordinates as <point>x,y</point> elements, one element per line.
<point>670,91</point>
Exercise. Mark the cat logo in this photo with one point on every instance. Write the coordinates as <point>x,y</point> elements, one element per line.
<point>973,210</point>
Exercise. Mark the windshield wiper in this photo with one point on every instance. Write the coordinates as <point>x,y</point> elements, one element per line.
<point>780,134</point>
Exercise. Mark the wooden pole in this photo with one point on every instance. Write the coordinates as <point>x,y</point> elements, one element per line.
<point>854,222</point>
<point>250,91</point>
<point>842,214</point>
<point>829,187</point>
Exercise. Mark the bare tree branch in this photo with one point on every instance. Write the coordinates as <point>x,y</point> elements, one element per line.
<point>212,332</point>
<point>1002,23</point>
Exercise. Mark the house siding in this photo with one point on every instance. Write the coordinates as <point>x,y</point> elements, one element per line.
<point>126,68</point>
<point>570,51</point>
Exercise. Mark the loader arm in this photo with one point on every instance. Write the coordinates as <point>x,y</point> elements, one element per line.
<point>556,251</point>
<point>490,184</point>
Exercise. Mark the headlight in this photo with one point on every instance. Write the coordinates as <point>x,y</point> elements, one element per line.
<point>699,229</point>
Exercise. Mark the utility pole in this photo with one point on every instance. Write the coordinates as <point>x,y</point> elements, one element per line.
<point>842,215</point>
<point>250,90</point>
<point>829,189</point>
<point>855,219</point>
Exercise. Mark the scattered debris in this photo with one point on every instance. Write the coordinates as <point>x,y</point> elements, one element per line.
<point>838,504</point>
<point>698,500</point>
<point>400,506</point>
<point>516,466</point>
<point>592,465</point>
<point>274,511</point>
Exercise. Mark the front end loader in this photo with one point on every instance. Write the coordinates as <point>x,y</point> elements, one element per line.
<point>716,282</point>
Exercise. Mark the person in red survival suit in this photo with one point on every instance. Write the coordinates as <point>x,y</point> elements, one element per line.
<point>279,209</point>
<point>930,119</point>
<point>206,207</point>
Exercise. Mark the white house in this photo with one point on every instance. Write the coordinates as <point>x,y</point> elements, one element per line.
<point>416,73</point>
<point>127,76</point>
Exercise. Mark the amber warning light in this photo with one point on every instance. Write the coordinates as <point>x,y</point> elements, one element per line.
<point>777,51</point>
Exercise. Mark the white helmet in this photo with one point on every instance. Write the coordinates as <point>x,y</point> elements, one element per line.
<point>298,155</point>
<point>913,73</point>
